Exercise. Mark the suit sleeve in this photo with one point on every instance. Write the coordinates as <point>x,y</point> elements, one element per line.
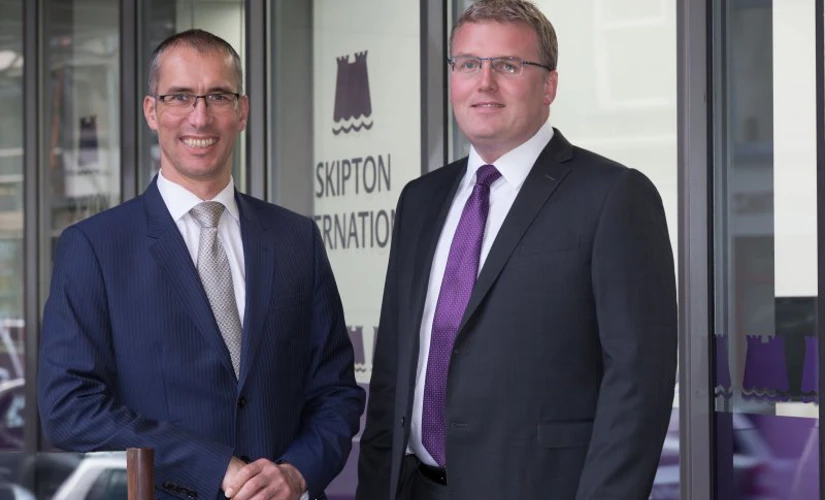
<point>77,375</point>
<point>374,462</point>
<point>635,297</point>
<point>334,401</point>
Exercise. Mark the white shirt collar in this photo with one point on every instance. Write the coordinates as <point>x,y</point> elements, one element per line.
<point>179,200</point>
<point>516,163</point>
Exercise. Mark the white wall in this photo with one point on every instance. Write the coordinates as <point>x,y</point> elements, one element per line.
<point>617,85</point>
<point>794,168</point>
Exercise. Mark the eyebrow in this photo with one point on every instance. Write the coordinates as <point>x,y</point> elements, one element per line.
<point>189,90</point>
<point>494,57</point>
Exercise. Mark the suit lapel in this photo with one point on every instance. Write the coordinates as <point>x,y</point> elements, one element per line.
<point>259,266</point>
<point>171,254</point>
<point>542,181</point>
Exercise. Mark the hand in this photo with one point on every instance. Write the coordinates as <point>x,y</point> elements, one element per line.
<point>262,480</point>
<point>235,466</point>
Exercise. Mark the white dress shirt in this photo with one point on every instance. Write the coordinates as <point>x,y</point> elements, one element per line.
<point>514,167</point>
<point>179,201</point>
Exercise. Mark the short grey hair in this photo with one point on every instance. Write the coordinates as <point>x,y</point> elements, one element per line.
<point>204,42</point>
<point>515,11</point>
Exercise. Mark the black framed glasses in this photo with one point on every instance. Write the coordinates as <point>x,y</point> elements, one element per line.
<point>182,100</point>
<point>507,66</point>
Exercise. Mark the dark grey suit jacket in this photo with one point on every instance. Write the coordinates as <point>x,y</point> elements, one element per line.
<point>562,378</point>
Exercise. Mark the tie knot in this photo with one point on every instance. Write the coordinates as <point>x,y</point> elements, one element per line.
<point>486,175</point>
<point>207,213</point>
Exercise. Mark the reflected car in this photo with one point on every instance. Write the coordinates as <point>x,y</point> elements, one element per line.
<point>757,473</point>
<point>100,476</point>
<point>9,491</point>
<point>12,406</point>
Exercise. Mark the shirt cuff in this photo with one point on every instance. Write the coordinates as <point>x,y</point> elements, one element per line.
<point>305,496</point>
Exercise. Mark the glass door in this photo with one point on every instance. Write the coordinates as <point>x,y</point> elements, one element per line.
<point>12,372</point>
<point>765,347</point>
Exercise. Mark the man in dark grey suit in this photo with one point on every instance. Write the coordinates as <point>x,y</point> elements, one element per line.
<point>527,340</point>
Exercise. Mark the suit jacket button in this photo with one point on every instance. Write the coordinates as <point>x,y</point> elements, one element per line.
<point>241,402</point>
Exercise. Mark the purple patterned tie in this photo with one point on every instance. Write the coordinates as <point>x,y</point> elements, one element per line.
<point>456,287</point>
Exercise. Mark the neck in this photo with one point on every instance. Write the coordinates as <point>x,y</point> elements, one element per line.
<point>204,188</point>
<point>489,153</point>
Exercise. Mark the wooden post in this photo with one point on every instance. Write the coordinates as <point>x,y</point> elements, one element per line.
<point>139,462</point>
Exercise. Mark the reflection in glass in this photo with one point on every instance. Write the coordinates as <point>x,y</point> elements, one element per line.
<point>81,166</point>
<point>63,476</point>
<point>766,350</point>
<point>11,225</point>
<point>80,161</point>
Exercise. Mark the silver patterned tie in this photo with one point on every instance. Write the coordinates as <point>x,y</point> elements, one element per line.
<point>213,269</point>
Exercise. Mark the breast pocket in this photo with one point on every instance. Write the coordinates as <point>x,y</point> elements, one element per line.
<point>537,246</point>
<point>553,257</point>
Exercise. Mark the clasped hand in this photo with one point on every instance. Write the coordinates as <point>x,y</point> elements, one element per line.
<point>262,480</point>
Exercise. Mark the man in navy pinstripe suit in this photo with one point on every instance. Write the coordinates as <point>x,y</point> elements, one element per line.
<point>131,352</point>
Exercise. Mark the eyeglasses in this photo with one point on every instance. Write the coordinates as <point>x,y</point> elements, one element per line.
<point>218,100</point>
<point>507,66</point>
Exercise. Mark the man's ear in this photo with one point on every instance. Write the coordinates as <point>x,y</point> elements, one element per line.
<point>551,84</point>
<point>244,110</point>
<point>150,111</point>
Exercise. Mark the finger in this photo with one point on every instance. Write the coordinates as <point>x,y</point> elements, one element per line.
<point>273,490</point>
<point>284,493</point>
<point>253,488</point>
<point>241,478</point>
<point>263,485</point>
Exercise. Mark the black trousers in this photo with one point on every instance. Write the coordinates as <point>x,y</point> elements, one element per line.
<point>415,486</point>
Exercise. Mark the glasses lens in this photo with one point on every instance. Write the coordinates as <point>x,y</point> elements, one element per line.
<point>467,64</point>
<point>507,66</point>
<point>221,100</point>
<point>178,99</point>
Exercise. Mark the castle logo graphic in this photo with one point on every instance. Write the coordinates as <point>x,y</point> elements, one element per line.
<point>353,107</point>
<point>356,336</point>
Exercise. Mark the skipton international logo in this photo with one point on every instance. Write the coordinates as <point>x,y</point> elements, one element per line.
<point>353,107</point>
<point>356,336</point>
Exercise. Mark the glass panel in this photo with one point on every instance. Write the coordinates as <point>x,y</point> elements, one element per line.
<point>40,475</point>
<point>345,145</point>
<point>604,105</point>
<point>765,346</point>
<point>80,165</point>
<point>63,476</point>
<point>81,114</point>
<point>162,19</point>
<point>11,225</point>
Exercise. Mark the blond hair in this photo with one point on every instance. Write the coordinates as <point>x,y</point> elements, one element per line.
<point>515,11</point>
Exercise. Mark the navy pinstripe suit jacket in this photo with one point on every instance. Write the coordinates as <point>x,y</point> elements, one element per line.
<point>131,356</point>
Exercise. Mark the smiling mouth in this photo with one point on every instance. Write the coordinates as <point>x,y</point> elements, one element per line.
<point>199,143</point>
<point>488,105</point>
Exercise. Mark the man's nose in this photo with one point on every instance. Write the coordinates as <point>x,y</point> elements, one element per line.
<point>486,75</point>
<point>199,114</point>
